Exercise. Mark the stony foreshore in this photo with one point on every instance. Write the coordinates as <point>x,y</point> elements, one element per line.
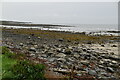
<point>63,52</point>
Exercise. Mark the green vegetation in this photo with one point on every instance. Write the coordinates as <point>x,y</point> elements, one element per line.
<point>16,69</point>
<point>26,70</point>
<point>7,63</point>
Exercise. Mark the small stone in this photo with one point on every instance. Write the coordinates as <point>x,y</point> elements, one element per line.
<point>21,44</point>
<point>37,52</point>
<point>36,46</point>
<point>70,60</point>
<point>110,69</point>
<point>44,56</point>
<point>60,55</point>
<point>68,41</point>
<point>30,43</point>
<point>79,74</point>
<point>76,43</point>
<point>32,49</point>
<point>93,58</point>
<point>42,47</point>
<point>58,49</point>
<point>38,37</point>
<point>106,60</point>
<point>84,49</point>
<point>61,59</point>
<point>18,47</point>
<point>65,67</point>
<point>67,51</point>
<point>56,45</point>
<point>29,37</point>
<point>61,40</point>
<point>32,34</point>
<point>51,59</point>
<point>103,45</point>
<point>32,55</point>
<point>85,62</point>
<point>114,62</point>
<point>50,53</point>
<point>76,55</point>
<point>92,72</point>
<point>100,66</point>
<point>89,42</point>
<point>114,46</point>
<point>114,57</point>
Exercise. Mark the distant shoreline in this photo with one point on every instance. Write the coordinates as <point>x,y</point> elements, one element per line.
<point>87,29</point>
<point>14,23</point>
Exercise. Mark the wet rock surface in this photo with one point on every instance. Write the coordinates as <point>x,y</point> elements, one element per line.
<point>100,61</point>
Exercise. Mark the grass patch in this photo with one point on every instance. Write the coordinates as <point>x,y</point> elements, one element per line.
<point>7,63</point>
<point>27,70</point>
<point>16,69</point>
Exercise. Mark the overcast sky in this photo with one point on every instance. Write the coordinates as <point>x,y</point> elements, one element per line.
<point>61,12</point>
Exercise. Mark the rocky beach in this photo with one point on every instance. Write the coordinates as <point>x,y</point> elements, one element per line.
<point>65,53</point>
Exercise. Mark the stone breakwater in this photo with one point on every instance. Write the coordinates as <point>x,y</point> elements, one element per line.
<point>99,60</point>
